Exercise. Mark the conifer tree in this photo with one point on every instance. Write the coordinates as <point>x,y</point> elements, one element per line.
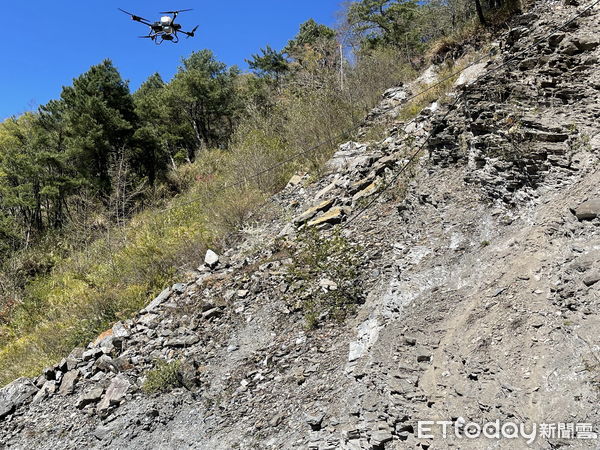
<point>163,128</point>
<point>203,90</point>
<point>99,120</point>
<point>270,64</point>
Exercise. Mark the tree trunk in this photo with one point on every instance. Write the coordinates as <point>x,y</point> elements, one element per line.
<point>480,13</point>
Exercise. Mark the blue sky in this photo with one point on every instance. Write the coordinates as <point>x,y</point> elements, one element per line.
<point>47,44</point>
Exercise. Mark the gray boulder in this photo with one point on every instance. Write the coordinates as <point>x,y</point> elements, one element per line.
<point>588,210</point>
<point>115,393</point>
<point>154,304</point>
<point>67,386</point>
<point>591,278</point>
<point>16,394</point>
<point>89,397</point>
<point>48,388</point>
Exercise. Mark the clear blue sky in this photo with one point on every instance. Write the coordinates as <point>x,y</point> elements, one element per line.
<point>48,43</point>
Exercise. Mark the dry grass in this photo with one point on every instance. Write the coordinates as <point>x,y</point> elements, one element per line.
<point>455,45</point>
<point>437,92</point>
<point>121,272</point>
<point>164,377</point>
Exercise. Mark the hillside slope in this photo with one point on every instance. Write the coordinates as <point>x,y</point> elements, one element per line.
<point>482,268</point>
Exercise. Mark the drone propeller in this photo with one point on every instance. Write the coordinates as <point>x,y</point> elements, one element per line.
<point>133,16</point>
<point>147,37</point>
<point>190,34</point>
<point>175,12</point>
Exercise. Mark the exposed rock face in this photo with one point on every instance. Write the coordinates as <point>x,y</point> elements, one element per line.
<point>482,269</point>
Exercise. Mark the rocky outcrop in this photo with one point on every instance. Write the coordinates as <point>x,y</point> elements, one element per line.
<point>16,394</point>
<point>508,142</point>
<point>481,267</point>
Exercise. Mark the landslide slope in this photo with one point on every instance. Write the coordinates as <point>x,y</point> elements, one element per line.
<point>479,226</point>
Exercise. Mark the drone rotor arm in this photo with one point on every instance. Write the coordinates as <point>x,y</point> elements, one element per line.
<point>190,33</point>
<point>136,18</point>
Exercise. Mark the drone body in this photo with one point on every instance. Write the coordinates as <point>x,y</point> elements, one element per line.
<point>165,29</point>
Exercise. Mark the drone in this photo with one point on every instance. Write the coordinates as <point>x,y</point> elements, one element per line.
<point>165,29</point>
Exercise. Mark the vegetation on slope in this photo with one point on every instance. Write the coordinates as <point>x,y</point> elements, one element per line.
<point>107,196</point>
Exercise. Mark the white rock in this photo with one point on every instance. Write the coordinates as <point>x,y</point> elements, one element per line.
<point>295,181</point>
<point>211,259</point>
<point>120,330</point>
<point>429,76</point>
<point>328,285</point>
<point>368,333</point>
<point>470,74</point>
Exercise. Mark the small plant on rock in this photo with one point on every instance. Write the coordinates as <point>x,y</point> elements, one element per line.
<point>324,276</point>
<point>164,377</point>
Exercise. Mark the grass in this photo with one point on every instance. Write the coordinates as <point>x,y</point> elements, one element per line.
<point>118,274</point>
<point>454,45</point>
<point>472,33</point>
<point>436,92</point>
<point>376,132</point>
<point>165,376</point>
<point>325,276</point>
<point>86,293</point>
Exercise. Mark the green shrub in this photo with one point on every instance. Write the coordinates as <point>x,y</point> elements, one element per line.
<point>165,376</point>
<point>324,276</point>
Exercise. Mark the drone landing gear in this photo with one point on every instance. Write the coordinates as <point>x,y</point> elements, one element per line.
<point>160,38</point>
<point>174,38</point>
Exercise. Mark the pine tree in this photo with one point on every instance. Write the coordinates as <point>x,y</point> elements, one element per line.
<point>388,23</point>
<point>34,181</point>
<point>311,33</point>
<point>203,91</point>
<point>271,64</point>
<point>163,128</point>
<point>99,119</point>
